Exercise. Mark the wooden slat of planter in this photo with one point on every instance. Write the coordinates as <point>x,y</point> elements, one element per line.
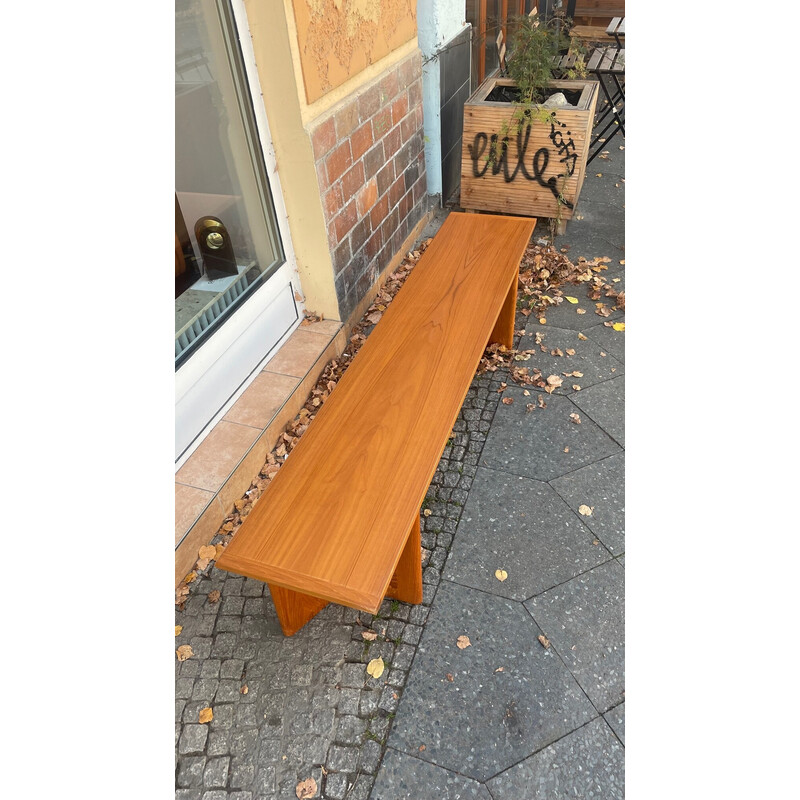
<point>335,519</point>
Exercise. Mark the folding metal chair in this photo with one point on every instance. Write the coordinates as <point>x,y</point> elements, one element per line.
<point>608,64</point>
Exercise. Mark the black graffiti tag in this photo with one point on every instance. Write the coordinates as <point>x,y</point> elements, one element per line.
<point>539,163</point>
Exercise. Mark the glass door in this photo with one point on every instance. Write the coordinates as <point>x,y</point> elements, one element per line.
<point>227,241</point>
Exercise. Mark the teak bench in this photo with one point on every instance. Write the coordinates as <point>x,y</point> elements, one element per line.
<point>340,521</point>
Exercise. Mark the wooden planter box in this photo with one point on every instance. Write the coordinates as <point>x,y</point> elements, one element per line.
<point>539,156</point>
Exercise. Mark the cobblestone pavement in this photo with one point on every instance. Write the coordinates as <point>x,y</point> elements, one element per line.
<point>506,716</point>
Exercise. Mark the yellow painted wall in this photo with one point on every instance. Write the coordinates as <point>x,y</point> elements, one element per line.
<point>279,46</point>
<point>337,39</point>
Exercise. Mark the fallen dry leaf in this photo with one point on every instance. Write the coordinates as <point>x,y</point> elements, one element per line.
<point>576,387</point>
<point>208,551</point>
<point>529,407</point>
<point>306,789</point>
<point>500,669</point>
<point>545,642</point>
<point>244,689</point>
<point>375,667</point>
<point>427,512</point>
<point>202,563</point>
<point>571,299</point>
<point>213,596</point>
<point>580,310</point>
<point>206,715</point>
<point>575,418</point>
<point>566,449</point>
<point>507,401</point>
<point>500,574</point>
<point>190,577</point>
<point>462,642</point>
<point>184,651</point>
<point>449,677</point>
<point>421,748</point>
<point>178,629</point>
<point>570,351</point>
<point>583,338</point>
<point>585,510</point>
<point>370,636</point>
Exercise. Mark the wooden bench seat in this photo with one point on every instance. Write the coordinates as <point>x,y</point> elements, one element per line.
<point>340,521</point>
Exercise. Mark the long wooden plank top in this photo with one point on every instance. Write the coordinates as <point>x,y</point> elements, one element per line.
<point>336,516</point>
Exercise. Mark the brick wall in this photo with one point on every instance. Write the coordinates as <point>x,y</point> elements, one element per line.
<point>370,160</point>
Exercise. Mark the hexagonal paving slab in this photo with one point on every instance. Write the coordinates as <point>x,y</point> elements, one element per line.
<point>524,527</point>
<point>601,486</point>
<point>605,404</point>
<point>584,619</point>
<point>508,695</point>
<point>610,341</point>
<point>403,777</point>
<point>544,443</point>
<point>587,358</point>
<point>589,763</point>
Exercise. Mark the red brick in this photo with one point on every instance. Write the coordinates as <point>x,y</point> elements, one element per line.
<point>352,181</point>
<point>333,201</point>
<point>339,161</point>
<point>367,197</point>
<point>369,102</point>
<point>379,211</point>
<point>390,87</point>
<point>323,138</point>
<point>373,245</point>
<point>405,204</point>
<point>396,192</point>
<point>392,142</point>
<point>373,160</point>
<point>399,108</point>
<point>385,178</point>
<point>415,93</point>
<point>406,72</point>
<point>361,140</point>
<point>345,221</point>
<point>382,122</point>
<point>407,127</point>
<point>346,120</point>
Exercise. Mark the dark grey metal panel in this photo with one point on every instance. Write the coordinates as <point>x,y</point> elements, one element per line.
<point>454,88</point>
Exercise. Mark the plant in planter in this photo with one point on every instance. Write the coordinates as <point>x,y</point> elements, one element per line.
<point>524,147</point>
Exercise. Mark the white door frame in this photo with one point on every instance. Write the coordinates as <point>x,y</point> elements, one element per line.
<point>230,340</point>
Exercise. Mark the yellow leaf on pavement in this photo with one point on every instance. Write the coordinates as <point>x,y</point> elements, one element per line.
<point>618,326</point>
<point>571,299</point>
<point>206,715</point>
<point>462,642</point>
<point>184,651</point>
<point>178,629</point>
<point>306,789</point>
<point>375,667</point>
<point>208,551</point>
<point>500,574</point>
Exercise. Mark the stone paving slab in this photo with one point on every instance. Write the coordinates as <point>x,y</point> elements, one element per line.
<point>589,358</point>
<point>588,763</point>
<point>544,443</point>
<point>616,719</point>
<point>403,777</point>
<point>484,720</point>
<point>605,404</point>
<point>524,527</point>
<point>580,316</point>
<point>611,341</point>
<point>584,619</point>
<point>600,232</point>
<point>601,486</point>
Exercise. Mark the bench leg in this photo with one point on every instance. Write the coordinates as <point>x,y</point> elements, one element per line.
<point>406,583</point>
<point>294,609</point>
<point>503,332</point>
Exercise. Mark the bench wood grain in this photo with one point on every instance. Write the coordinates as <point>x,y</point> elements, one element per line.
<point>340,520</point>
